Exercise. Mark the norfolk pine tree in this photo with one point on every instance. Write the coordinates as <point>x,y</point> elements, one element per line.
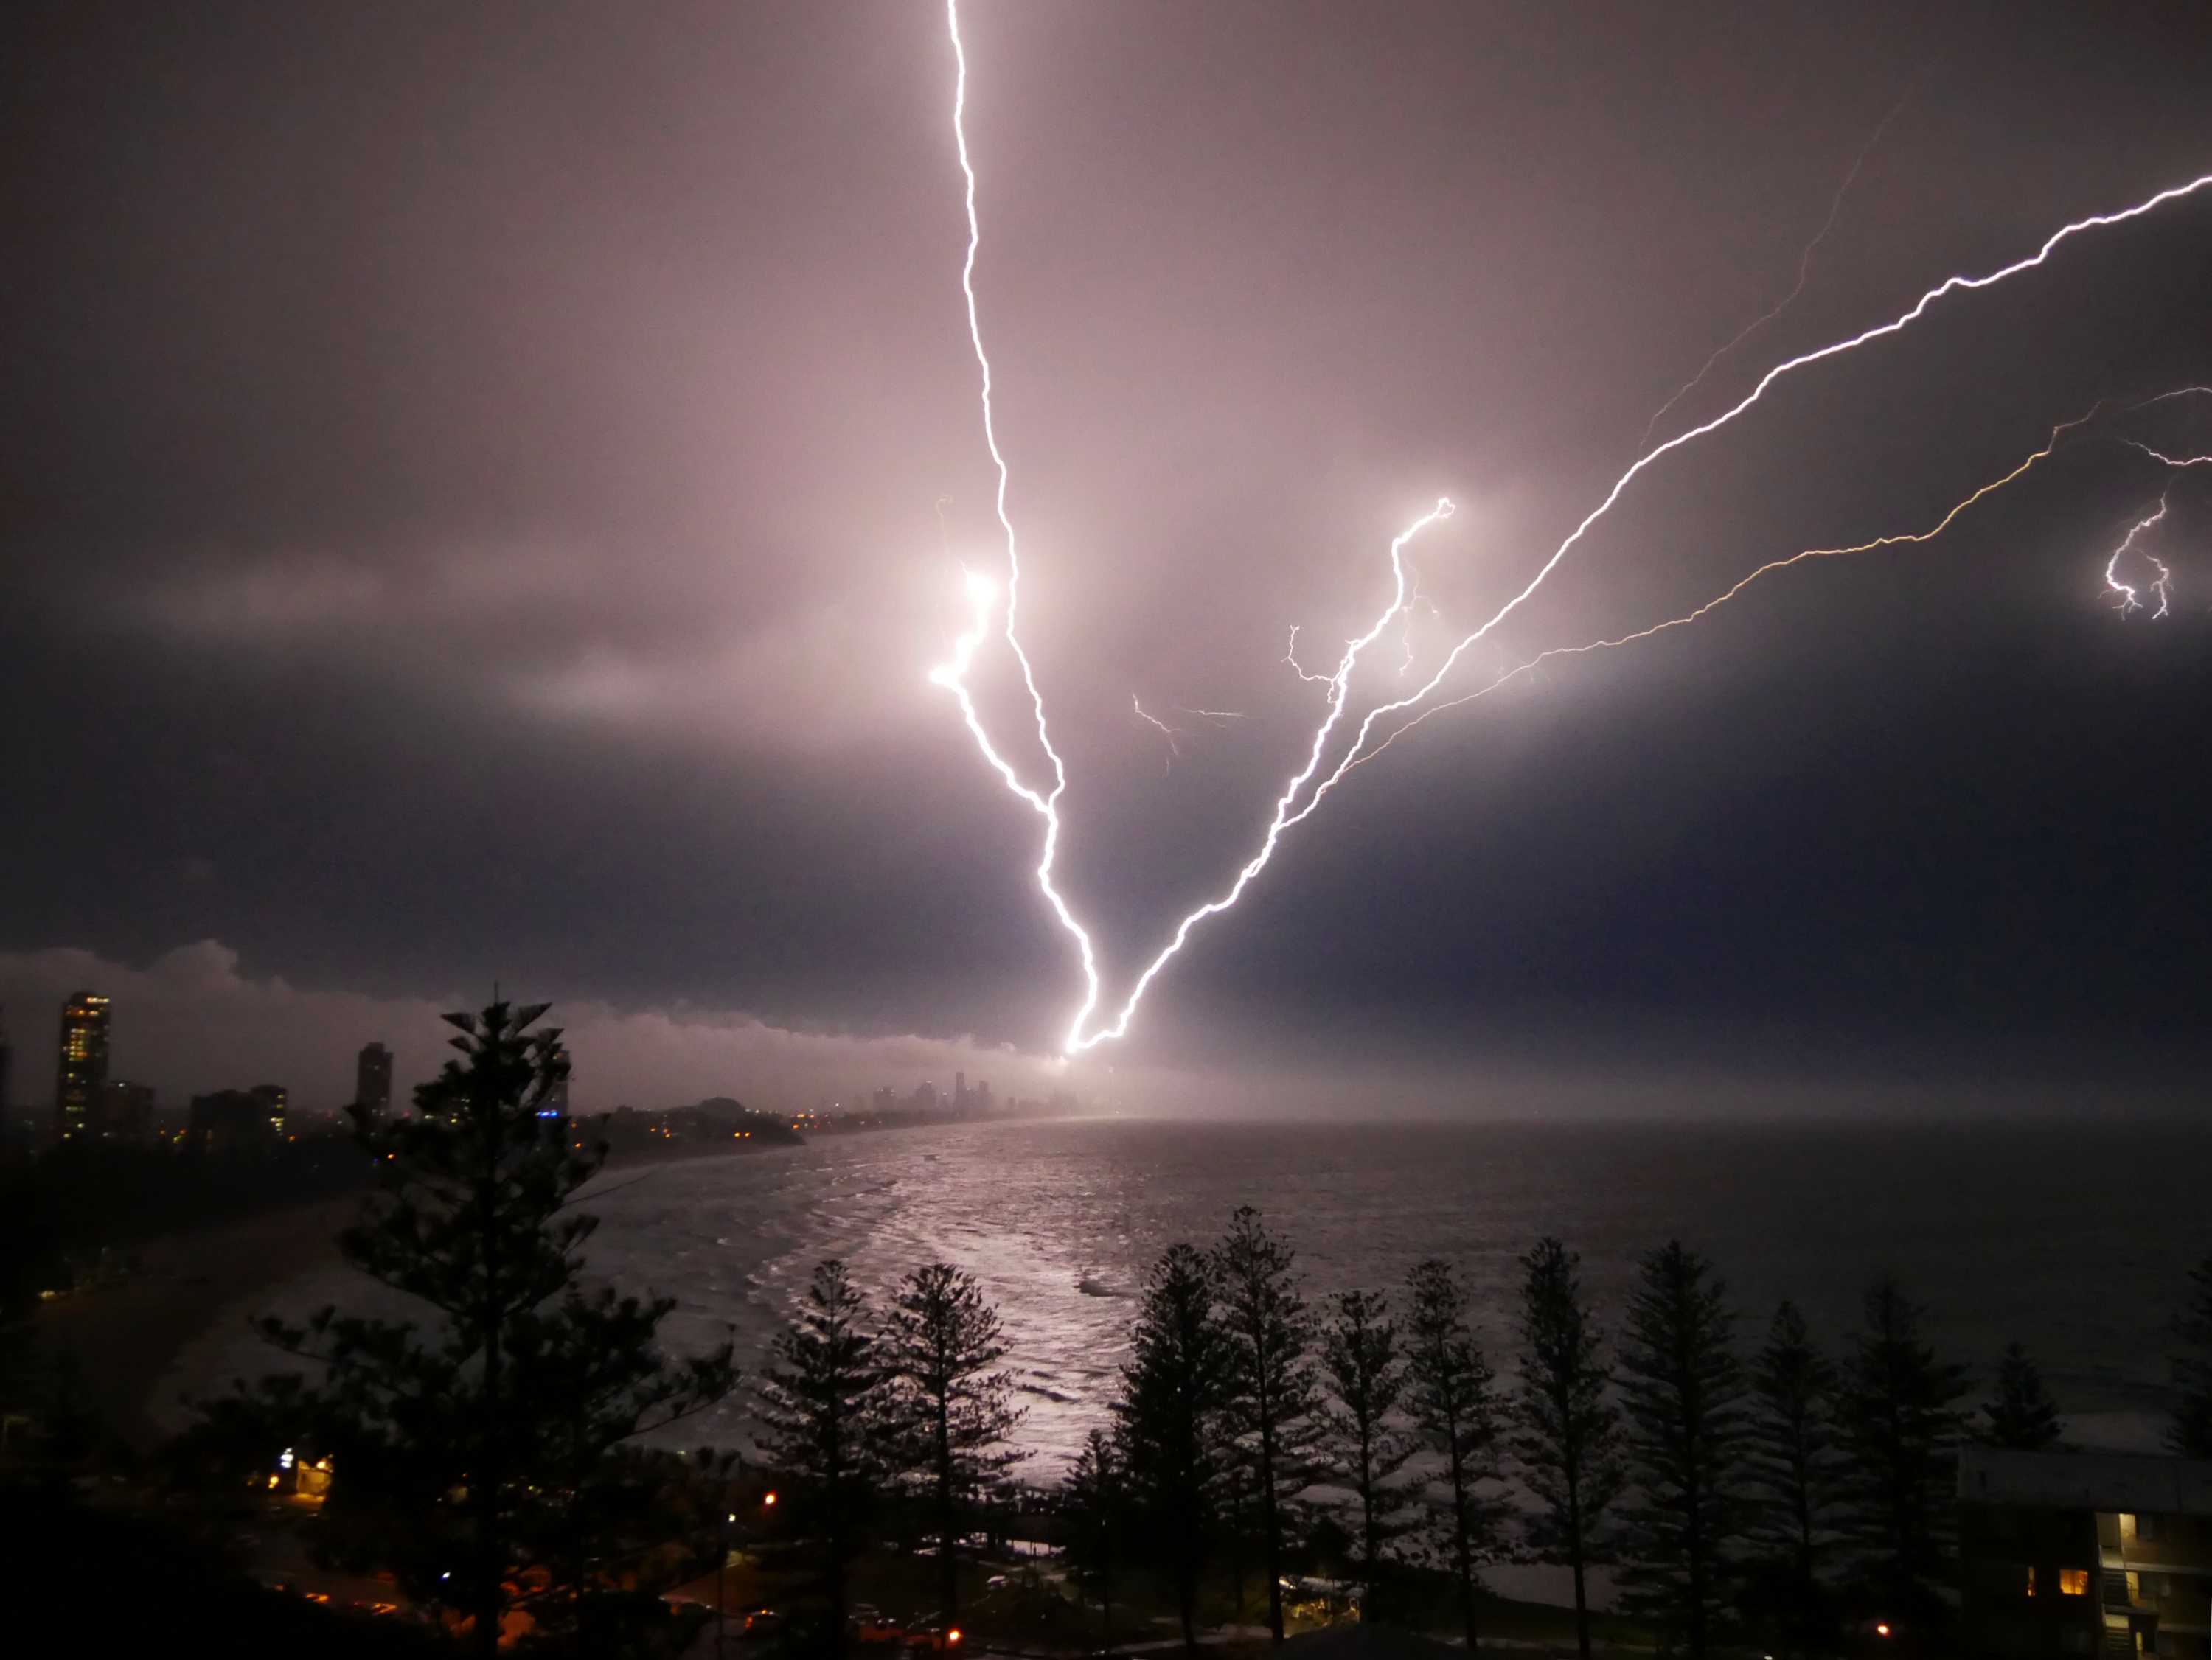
<point>1174,1386</point>
<point>1094,1503</point>
<point>2021,1415</point>
<point>949,1405</point>
<point>2191,1433</point>
<point>1451,1395</point>
<point>1897,1411</point>
<point>821,1401</point>
<point>482,1455</point>
<point>1793,1472</point>
<point>1566,1434</point>
<point>1363,1446</point>
<point>1271,1394</point>
<point>1682,1393</point>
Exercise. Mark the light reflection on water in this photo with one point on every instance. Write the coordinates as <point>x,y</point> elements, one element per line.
<point>2076,1241</point>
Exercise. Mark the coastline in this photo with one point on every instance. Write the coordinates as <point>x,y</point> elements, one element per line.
<point>129,1343</point>
<point>124,1341</point>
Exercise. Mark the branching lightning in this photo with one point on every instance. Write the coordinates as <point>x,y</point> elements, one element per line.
<point>2127,597</point>
<point>1300,795</point>
<point>1173,735</point>
<point>1903,539</point>
<point>1339,685</point>
<point>1804,267</point>
<point>1176,734</point>
<point>2126,602</point>
<point>982,594</point>
<point>1290,656</point>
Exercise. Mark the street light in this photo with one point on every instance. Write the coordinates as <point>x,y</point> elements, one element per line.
<point>722,1585</point>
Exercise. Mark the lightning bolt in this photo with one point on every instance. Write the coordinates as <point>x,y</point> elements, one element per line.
<point>1290,656</point>
<point>2162,584</point>
<point>1339,685</point>
<point>1284,818</point>
<point>1804,267</point>
<point>2058,434</point>
<point>982,594</point>
<point>1287,811</point>
<point>1721,598</point>
<point>1173,736</point>
<point>2170,461</point>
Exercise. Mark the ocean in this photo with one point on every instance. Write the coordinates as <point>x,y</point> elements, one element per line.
<point>2075,1240</point>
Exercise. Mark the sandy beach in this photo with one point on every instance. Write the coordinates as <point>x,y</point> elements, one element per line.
<point>127,1340</point>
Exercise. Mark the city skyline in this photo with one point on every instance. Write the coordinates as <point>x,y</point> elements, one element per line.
<point>88,1101</point>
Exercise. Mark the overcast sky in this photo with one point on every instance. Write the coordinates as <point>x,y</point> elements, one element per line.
<point>470,510</point>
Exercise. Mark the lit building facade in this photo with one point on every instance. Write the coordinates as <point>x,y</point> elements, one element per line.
<point>2084,1553</point>
<point>275,1101</point>
<point>83,1065</point>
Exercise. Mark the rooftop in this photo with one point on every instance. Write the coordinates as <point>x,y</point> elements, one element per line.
<point>2138,1483</point>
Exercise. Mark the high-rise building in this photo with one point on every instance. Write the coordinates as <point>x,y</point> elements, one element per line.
<point>372,1080</point>
<point>83,1067</point>
<point>274,1100</point>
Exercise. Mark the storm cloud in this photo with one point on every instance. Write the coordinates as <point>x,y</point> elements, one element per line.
<point>483,488</point>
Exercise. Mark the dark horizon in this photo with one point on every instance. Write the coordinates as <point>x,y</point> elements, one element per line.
<point>472,491</point>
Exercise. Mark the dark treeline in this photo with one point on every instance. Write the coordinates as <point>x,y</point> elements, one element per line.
<point>1751,1481</point>
<point>1770,1489</point>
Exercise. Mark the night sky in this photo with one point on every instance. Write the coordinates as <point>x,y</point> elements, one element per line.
<point>470,510</point>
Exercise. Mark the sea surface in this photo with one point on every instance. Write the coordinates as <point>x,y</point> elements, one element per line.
<point>2073,1240</point>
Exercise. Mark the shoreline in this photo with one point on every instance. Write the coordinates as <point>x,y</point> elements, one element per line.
<point>127,1344</point>
<point>123,1341</point>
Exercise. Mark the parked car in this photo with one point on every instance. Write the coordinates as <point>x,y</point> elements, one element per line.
<point>763,1622</point>
<point>871,1625</point>
<point>934,1637</point>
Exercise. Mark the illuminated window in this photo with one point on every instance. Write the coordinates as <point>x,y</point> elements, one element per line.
<point>2073,1582</point>
<point>2031,1579</point>
<point>2127,1527</point>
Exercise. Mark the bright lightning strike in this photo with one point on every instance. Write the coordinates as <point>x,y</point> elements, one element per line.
<point>1896,325</point>
<point>2127,597</point>
<point>954,675</point>
<point>1339,685</point>
<point>1900,540</point>
<point>1081,1036</point>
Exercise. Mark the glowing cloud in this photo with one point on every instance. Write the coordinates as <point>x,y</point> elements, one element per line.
<point>1082,1033</point>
